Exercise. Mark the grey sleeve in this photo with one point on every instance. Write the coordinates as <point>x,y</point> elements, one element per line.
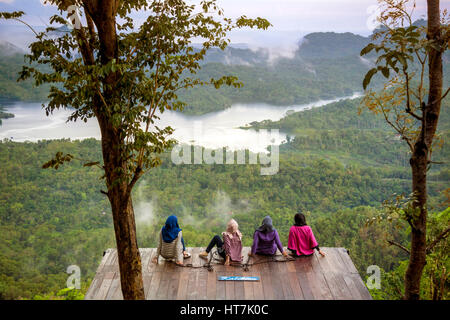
<point>179,248</point>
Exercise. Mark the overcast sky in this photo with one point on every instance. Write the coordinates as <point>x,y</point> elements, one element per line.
<point>291,19</point>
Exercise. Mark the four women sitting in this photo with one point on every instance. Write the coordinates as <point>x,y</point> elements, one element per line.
<point>266,241</point>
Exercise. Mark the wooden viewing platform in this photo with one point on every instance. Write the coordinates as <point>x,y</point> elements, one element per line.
<point>331,277</point>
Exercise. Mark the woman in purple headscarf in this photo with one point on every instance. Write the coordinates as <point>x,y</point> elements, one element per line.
<point>266,240</point>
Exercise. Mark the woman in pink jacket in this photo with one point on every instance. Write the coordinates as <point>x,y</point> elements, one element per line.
<point>231,247</point>
<point>301,241</point>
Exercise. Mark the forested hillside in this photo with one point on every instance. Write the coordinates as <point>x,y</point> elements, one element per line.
<point>306,77</point>
<point>339,168</point>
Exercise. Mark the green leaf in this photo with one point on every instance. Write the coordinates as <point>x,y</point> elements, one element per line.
<point>368,77</point>
<point>367,49</point>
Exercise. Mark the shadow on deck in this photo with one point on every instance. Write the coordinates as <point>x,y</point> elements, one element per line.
<point>332,277</point>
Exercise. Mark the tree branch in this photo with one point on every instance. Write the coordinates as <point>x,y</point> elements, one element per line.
<point>27,26</point>
<point>440,237</point>
<point>408,102</point>
<point>443,96</point>
<point>137,174</point>
<point>391,242</point>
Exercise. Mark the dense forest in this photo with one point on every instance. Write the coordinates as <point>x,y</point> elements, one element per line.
<point>338,167</point>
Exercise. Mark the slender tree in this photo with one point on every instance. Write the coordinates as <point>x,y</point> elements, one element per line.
<point>411,106</point>
<point>122,74</point>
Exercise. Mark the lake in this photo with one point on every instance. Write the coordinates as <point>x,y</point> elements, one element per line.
<point>212,130</point>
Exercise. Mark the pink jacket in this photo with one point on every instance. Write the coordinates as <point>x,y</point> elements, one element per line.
<point>233,247</point>
<point>302,240</point>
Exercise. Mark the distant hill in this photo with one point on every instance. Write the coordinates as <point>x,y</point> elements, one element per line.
<point>331,45</point>
<point>8,49</point>
<point>324,65</point>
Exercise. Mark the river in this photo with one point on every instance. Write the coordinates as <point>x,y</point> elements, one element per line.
<point>212,130</point>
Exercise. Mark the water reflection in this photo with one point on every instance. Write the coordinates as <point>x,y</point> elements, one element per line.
<point>212,130</point>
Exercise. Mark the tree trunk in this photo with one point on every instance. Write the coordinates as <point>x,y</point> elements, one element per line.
<point>127,249</point>
<point>421,156</point>
<point>103,14</point>
<point>417,257</point>
<point>130,265</point>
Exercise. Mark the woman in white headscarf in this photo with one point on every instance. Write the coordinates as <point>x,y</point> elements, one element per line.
<point>231,247</point>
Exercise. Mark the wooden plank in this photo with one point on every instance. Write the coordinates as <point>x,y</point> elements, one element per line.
<point>266,280</point>
<point>173,284</point>
<point>352,287</point>
<point>338,286</point>
<point>277,282</point>
<point>192,289</point>
<point>104,259</point>
<point>202,279</point>
<point>284,276</point>
<point>164,284</point>
<point>202,284</point>
<point>93,288</point>
<point>112,263</point>
<point>145,258</point>
<point>335,261</point>
<point>319,286</point>
<point>290,266</point>
<point>362,289</point>
<point>304,284</point>
<point>112,256</point>
<point>323,262</point>
<point>220,286</point>
<point>154,285</point>
<point>152,266</point>
<point>183,285</point>
<point>193,274</point>
<point>295,286</point>
<point>303,268</point>
<point>115,285</point>
<point>347,260</point>
<point>318,283</point>
<point>239,290</point>
<point>248,285</point>
<point>248,290</point>
<point>104,287</point>
<point>229,287</point>
<point>147,278</point>
<point>258,290</point>
<point>211,286</point>
<point>118,294</point>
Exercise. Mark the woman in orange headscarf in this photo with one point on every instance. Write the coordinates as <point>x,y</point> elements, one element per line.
<point>231,247</point>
